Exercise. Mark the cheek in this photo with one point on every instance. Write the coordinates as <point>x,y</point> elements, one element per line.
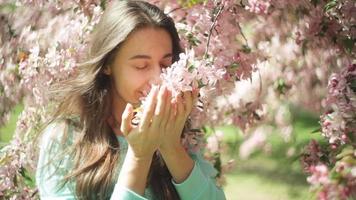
<point>129,85</point>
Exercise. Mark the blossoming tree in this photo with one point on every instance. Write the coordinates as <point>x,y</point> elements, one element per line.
<point>248,57</point>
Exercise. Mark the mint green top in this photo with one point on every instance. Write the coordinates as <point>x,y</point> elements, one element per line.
<point>200,184</point>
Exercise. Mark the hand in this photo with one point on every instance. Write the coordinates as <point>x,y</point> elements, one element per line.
<point>178,114</point>
<point>145,138</point>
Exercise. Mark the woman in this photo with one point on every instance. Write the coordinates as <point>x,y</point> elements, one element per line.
<point>92,150</point>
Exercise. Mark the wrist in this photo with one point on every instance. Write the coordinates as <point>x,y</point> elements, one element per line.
<point>139,158</point>
<point>134,172</point>
<point>172,149</point>
<point>178,161</point>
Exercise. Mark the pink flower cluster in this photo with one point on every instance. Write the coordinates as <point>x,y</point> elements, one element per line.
<point>339,121</point>
<point>321,177</point>
<point>55,59</point>
<point>18,161</point>
<point>189,73</point>
<point>36,51</point>
<point>258,6</point>
<point>331,177</point>
<point>210,29</point>
<point>338,125</point>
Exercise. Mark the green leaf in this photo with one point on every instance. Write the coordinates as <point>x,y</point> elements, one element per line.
<point>334,175</point>
<point>193,40</point>
<point>304,47</point>
<point>28,179</point>
<point>190,3</point>
<point>10,7</point>
<point>281,86</point>
<point>204,128</point>
<point>348,150</point>
<point>318,130</point>
<point>102,4</point>
<point>352,85</point>
<point>315,2</point>
<point>191,68</point>
<point>200,84</point>
<point>330,5</point>
<point>217,164</point>
<point>348,44</point>
<point>234,65</point>
<point>246,49</point>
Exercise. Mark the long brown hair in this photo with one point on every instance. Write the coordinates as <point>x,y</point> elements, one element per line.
<point>88,95</point>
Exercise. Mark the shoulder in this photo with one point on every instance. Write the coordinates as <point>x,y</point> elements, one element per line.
<point>53,132</point>
<point>55,146</point>
<point>58,133</point>
<point>55,160</point>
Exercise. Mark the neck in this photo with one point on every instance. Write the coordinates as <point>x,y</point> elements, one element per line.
<point>118,106</point>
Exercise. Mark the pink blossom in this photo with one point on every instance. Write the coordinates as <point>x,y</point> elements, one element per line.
<point>258,6</point>
<point>213,141</point>
<point>319,175</point>
<point>256,140</point>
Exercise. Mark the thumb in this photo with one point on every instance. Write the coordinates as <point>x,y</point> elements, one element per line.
<point>126,120</point>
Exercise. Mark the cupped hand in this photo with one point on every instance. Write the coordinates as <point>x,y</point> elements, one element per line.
<point>178,113</point>
<point>145,138</point>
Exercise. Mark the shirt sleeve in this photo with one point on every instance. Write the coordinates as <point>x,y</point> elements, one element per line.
<point>50,172</point>
<point>200,184</point>
<point>123,193</point>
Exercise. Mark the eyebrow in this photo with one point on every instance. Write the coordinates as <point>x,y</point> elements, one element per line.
<point>148,57</point>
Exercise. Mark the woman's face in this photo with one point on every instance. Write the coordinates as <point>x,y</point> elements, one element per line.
<point>139,62</point>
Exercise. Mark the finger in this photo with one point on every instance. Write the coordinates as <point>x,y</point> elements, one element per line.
<point>160,107</point>
<point>180,108</point>
<point>173,111</point>
<point>149,109</point>
<point>127,115</point>
<point>168,109</point>
<point>195,95</point>
<point>161,101</point>
<point>188,102</point>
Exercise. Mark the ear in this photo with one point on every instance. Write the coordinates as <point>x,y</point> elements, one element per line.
<point>107,70</point>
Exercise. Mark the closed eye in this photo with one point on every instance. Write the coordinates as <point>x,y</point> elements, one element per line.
<point>141,67</point>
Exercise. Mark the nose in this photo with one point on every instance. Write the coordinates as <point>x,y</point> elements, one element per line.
<point>155,77</point>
